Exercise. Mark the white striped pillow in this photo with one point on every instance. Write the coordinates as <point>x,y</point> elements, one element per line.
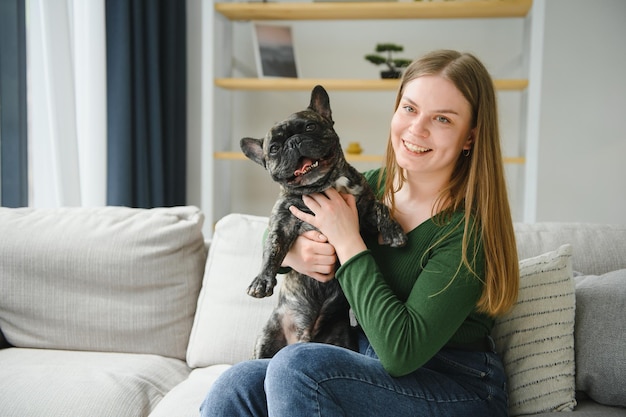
<point>536,338</point>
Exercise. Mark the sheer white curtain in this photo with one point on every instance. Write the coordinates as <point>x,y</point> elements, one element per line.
<point>67,102</point>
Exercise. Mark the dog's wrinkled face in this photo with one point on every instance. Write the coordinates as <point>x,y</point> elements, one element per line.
<point>301,150</point>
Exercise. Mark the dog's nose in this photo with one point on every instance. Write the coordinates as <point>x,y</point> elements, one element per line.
<point>294,142</point>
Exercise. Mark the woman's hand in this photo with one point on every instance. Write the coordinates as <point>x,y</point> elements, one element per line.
<point>336,216</point>
<point>312,255</point>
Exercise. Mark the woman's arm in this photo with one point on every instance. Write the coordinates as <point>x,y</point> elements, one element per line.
<point>406,333</point>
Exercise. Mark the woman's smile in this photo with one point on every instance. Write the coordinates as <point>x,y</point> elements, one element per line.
<point>415,148</point>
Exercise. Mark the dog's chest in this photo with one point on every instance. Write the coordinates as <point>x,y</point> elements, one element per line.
<point>344,185</point>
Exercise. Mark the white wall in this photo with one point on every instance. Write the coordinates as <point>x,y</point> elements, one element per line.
<point>583,97</point>
<point>582,147</point>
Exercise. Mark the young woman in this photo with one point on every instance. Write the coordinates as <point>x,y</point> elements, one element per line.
<point>424,311</point>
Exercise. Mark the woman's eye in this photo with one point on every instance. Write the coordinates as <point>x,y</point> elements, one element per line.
<point>442,119</point>
<point>310,127</point>
<point>408,108</point>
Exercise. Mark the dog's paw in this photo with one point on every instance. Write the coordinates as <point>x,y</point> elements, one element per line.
<point>394,237</point>
<point>398,240</point>
<point>261,287</point>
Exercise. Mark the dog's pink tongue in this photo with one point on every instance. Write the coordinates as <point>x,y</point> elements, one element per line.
<point>306,164</point>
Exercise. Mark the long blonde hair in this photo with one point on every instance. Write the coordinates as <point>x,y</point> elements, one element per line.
<point>477,184</point>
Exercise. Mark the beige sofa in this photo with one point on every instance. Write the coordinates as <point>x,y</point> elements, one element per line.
<point>120,312</point>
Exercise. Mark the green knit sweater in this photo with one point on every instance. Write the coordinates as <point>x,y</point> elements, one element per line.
<point>413,300</point>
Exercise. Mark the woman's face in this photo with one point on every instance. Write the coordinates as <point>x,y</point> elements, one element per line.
<point>431,126</point>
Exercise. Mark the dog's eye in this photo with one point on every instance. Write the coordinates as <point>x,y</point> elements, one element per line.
<point>310,127</point>
<point>274,149</point>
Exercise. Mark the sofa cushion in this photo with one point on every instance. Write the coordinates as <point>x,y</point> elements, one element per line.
<point>185,399</point>
<point>601,337</point>
<point>536,337</point>
<point>596,248</point>
<point>58,383</point>
<point>111,279</point>
<point>223,334</point>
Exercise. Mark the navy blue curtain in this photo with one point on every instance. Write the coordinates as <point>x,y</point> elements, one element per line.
<point>13,126</point>
<point>146,102</point>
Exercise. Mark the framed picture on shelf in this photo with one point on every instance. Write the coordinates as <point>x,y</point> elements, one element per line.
<point>274,52</point>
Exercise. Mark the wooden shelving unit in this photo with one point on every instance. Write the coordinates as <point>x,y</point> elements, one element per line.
<point>306,84</point>
<point>375,10</point>
<point>238,156</point>
<point>225,13</point>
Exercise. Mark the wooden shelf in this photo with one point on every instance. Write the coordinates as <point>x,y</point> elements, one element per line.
<point>307,84</point>
<point>375,10</point>
<point>238,156</point>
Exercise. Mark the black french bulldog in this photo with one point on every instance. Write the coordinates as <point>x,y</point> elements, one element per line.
<point>304,156</point>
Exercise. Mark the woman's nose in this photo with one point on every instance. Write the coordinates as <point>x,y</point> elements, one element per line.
<point>419,127</point>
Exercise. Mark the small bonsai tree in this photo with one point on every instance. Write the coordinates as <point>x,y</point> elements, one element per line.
<point>393,64</point>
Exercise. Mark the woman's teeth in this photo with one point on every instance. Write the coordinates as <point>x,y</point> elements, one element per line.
<point>414,148</point>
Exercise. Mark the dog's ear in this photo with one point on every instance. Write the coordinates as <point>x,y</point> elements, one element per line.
<point>320,103</point>
<point>253,149</point>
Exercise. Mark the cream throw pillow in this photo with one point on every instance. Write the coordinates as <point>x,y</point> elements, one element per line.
<point>536,338</point>
<point>228,320</point>
<point>109,279</point>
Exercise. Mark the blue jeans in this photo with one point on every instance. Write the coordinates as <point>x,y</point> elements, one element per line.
<point>310,379</point>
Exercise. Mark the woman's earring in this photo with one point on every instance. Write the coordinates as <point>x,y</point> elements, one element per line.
<point>466,152</point>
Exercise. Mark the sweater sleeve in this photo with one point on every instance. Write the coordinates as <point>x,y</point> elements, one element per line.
<point>405,334</point>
